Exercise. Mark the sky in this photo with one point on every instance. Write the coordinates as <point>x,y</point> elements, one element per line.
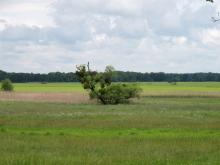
<point>175,36</point>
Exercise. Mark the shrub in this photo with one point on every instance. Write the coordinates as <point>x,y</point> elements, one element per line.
<point>7,85</point>
<point>100,86</point>
<point>172,82</point>
<point>119,93</point>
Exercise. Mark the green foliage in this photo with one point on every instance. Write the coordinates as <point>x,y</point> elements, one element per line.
<point>119,93</point>
<point>172,82</point>
<point>100,86</point>
<point>7,85</point>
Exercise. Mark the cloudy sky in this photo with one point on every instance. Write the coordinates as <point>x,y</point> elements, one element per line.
<point>135,35</point>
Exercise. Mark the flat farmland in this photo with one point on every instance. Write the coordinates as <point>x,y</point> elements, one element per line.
<point>148,87</point>
<point>74,93</point>
<point>71,92</point>
<point>48,87</point>
<point>169,125</point>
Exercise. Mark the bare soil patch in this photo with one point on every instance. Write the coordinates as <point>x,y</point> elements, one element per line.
<point>75,97</point>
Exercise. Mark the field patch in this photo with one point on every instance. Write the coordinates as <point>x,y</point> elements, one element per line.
<point>153,87</point>
<point>74,97</point>
<point>161,130</point>
<point>48,87</point>
<point>74,93</point>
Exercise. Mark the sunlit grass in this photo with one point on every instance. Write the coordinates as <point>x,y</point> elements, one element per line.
<point>49,87</point>
<point>147,87</point>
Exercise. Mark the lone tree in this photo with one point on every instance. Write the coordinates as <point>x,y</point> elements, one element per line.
<point>100,86</point>
<point>7,85</point>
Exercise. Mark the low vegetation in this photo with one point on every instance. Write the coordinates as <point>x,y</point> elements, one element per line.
<point>148,88</point>
<point>153,131</point>
<point>7,85</point>
<point>169,124</point>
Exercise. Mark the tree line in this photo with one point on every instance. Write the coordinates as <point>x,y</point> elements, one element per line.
<point>119,76</point>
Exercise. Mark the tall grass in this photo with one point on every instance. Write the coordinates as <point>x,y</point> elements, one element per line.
<point>154,130</point>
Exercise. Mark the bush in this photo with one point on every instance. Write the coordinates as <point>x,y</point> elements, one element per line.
<point>100,86</point>
<point>7,85</point>
<point>119,93</point>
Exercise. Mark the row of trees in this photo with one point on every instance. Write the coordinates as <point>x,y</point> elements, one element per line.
<point>119,76</point>
<point>32,77</point>
<point>165,77</point>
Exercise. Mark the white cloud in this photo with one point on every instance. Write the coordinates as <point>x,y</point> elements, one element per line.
<point>211,37</point>
<point>179,40</point>
<point>29,13</point>
<point>137,35</point>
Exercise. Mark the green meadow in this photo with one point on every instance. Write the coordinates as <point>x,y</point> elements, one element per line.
<point>147,87</point>
<point>154,130</point>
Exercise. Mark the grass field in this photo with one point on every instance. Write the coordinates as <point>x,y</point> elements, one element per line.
<point>149,87</point>
<point>160,130</point>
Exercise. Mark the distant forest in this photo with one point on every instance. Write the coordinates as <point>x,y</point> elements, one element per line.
<point>119,76</point>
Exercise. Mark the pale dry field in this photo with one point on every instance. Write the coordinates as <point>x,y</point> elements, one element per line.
<point>74,97</point>
<point>82,97</point>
